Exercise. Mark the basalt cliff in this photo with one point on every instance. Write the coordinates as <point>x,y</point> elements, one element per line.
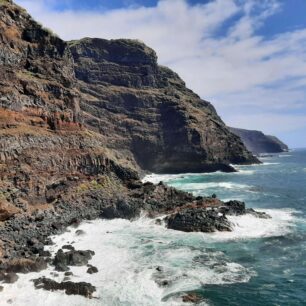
<point>80,121</point>
<point>257,142</point>
<point>146,112</point>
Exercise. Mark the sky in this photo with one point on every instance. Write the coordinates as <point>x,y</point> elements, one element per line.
<point>247,57</point>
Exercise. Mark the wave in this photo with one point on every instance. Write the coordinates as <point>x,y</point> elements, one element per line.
<point>127,255</point>
<point>284,155</point>
<point>156,178</point>
<point>203,186</point>
<point>248,226</point>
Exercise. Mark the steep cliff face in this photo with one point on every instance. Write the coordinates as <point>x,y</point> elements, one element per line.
<point>37,73</point>
<point>43,143</point>
<point>257,142</point>
<point>283,147</point>
<point>147,113</point>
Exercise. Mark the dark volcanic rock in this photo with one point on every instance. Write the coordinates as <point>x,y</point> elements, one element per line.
<point>258,214</point>
<point>92,270</point>
<point>235,208</point>
<point>71,258</point>
<point>257,142</point>
<point>198,220</point>
<point>10,278</point>
<point>81,288</point>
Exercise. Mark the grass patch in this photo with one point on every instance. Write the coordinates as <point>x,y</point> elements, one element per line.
<point>103,183</point>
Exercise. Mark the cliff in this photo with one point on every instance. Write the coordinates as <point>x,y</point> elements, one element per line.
<point>146,112</point>
<point>45,151</point>
<point>257,142</point>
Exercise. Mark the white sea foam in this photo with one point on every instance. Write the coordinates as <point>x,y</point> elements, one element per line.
<point>156,178</point>
<point>284,155</point>
<point>248,226</point>
<point>127,254</point>
<point>203,186</point>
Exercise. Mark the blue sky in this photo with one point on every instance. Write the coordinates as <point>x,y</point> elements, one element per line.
<point>248,57</point>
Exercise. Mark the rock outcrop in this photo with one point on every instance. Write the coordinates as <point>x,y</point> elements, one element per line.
<point>70,288</point>
<point>257,142</point>
<point>208,215</point>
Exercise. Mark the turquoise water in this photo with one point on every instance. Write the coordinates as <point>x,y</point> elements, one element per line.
<point>279,261</point>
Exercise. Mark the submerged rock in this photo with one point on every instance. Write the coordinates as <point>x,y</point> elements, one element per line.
<point>191,298</point>
<point>258,214</point>
<point>9,278</point>
<point>71,288</point>
<point>92,270</point>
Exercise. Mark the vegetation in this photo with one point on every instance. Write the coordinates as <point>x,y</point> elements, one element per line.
<point>103,183</point>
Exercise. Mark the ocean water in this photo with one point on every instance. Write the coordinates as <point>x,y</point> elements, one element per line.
<point>262,262</point>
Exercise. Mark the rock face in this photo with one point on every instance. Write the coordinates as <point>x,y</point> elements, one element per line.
<point>257,142</point>
<point>208,215</point>
<point>282,145</point>
<point>199,220</point>
<point>146,112</point>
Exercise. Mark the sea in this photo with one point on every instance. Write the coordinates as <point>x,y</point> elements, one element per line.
<point>262,262</point>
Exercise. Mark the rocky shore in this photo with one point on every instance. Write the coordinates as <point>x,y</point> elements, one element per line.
<point>24,236</point>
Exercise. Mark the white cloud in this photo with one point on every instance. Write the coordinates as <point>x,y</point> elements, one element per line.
<point>236,70</point>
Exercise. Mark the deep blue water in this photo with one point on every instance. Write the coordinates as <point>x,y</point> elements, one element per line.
<point>278,261</point>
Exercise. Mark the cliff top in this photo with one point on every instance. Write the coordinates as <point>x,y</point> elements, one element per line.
<point>121,51</point>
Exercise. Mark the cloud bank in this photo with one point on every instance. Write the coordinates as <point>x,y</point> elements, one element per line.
<point>254,81</point>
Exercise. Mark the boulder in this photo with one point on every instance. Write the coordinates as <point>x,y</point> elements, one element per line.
<point>71,258</point>
<point>92,270</point>
<point>233,208</point>
<point>10,278</point>
<point>198,220</point>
